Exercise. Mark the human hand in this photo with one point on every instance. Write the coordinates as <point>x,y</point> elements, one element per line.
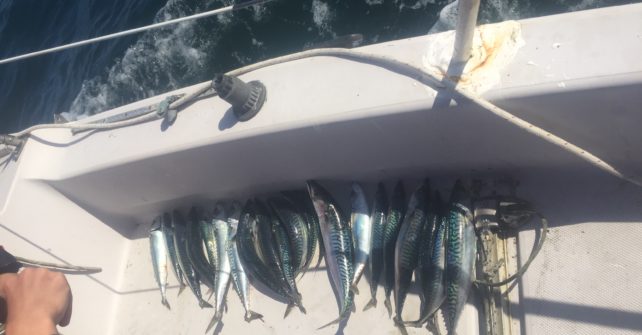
<point>36,301</point>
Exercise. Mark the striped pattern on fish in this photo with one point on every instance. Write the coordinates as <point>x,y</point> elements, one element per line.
<point>395,215</point>
<point>407,248</point>
<point>377,254</point>
<point>159,252</point>
<point>336,235</point>
<point>461,248</point>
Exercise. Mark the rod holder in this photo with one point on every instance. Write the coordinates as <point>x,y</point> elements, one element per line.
<point>467,11</point>
<point>246,98</point>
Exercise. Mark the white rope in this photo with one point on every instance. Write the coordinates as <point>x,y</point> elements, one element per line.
<point>136,30</point>
<point>419,74</point>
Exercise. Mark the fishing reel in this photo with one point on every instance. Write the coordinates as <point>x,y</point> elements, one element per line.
<point>504,213</point>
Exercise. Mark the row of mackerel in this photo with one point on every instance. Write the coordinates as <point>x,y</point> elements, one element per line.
<point>437,242</point>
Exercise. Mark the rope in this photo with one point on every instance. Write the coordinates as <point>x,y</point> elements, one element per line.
<point>419,74</point>
<point>136,30</point>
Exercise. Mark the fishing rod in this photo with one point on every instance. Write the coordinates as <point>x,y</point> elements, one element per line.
<point>136,30</point>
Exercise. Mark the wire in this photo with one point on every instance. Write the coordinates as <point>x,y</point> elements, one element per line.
<point>531,258</point>
<point>68,269</point>
<point>136,30</point>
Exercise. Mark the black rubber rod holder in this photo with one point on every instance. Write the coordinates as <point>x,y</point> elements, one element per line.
<point>246,98</point>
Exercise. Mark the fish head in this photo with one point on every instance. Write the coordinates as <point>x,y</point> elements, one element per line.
<point>234,209</point>
<point>177,218</point>
<point>460,194</point>
<point>318,195</point>
<point>399,193</point>
<point>219,211</point>
<point>156,224</point>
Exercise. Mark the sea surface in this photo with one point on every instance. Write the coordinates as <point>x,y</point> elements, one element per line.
<point>95,78</point>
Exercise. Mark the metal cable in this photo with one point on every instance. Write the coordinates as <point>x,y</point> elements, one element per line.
<point>136,30</point>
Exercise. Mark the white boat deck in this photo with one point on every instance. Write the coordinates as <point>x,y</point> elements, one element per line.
<point>89,199</point>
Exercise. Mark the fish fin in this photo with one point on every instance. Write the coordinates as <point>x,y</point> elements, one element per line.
<point>251,315</point>
<point>205,304</point>
<point>400,324</point>
<point>299,304</point>
<point>302,309</point>
<point>181,288</point>
<point>320,258</point>
<point>354,289</point>
<point>165,303</point>
<point>388,306</point>
<point>414,324</point>
<point>215,320</point>
<point>372,303</point>
<point>210,292</point>
<point>288,309</point>
<point>334,322</point>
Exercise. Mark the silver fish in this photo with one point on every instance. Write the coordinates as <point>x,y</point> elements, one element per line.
<point>407,248</point>
<point>159,252</point>
<point>376,255</point>
<point>337,239</point>
<point>461,248</point>
<point>432,263</point>
<point>239,277</point>
<point>224,269</point>
<point>168,231</point>
<point>395,215</point>
<point>181,243</point>
<point>361,232</point>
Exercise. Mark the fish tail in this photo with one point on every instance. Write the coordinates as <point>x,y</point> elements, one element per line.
<point>204,304</point>
<point>299,304</point>
<point>418,323</point>
<point>288,309</point>
<point>165,303</point>
<point>400,324</point>
<point>215,320</point>
<point>354,289</point>
<point>372,303</point>
<point>388,306</point>
<point>341,317</point>
<point>181,288</point>
<point>251,315</point>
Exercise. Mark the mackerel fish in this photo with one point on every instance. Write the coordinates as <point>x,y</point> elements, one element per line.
<point>296,228</point>
<point>461,249</point>
<point>158,248</point>
<point>395,215</point>
<point>195,252</point>
<point>432,263</point>
<point>180,240</point>
<point>361,232</point>
<point>407,248</point>
<point>248,243</point>
<point>239,277</point>
<point>224,269</point>
<point>337,239</point>
<point>168,230</point>
<point>376,256</point>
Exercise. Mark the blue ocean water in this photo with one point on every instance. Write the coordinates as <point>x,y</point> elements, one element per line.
<point>98,77</point>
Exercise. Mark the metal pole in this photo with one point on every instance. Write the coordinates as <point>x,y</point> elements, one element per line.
<point>467,21</point>
<point>136,30</point>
